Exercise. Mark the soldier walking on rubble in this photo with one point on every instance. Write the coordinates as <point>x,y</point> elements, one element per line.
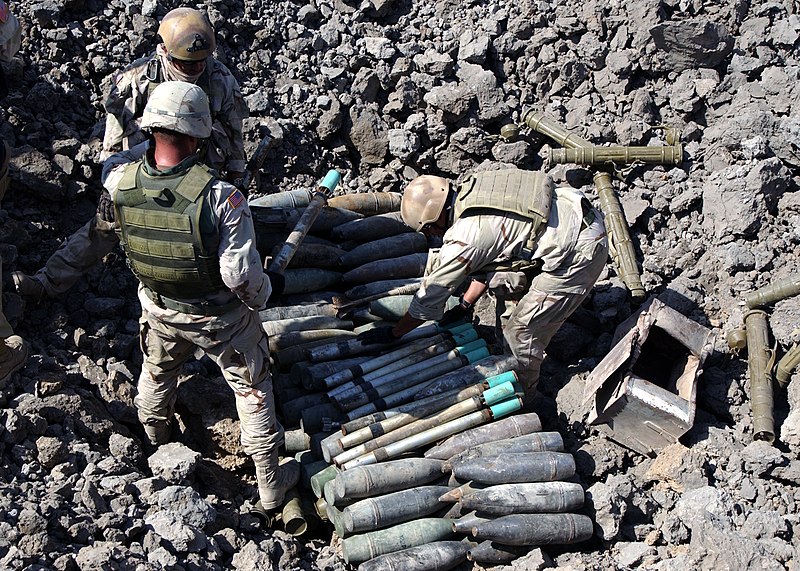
<point>542,249</point>
<point>189,239</point>
<point>13,349</point>
<point>184,54</point>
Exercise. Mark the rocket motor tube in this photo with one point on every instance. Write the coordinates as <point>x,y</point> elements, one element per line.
<point>787,365</point>
<point>618,154</point>
<point>774,292</point>
<point>760,359</point>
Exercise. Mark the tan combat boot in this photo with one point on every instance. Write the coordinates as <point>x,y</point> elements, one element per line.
<point>28,286</point>
<point>275,479</point>
<point>13,354</point>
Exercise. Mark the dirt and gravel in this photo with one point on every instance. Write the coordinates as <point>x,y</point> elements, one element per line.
<point>384,90</point>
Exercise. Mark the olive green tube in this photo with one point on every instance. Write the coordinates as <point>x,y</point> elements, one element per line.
<point>312,323</point>
<point>410,534</point>
<point>354,347</point>
<point>622,252</point>
<point>309,470</point>
<point>286,358</point>
<point>496,553</point>
<point>780,289</point>
<point>289,339</point>
<point>368,203</point>
<point>408,266</point>
<point>319,479</point>
<point>385,478</point>
<point>390,509</point>
<point>516,467</point>
<point>292,514</point>
<point>465,523</point>
<point>553,130</point>
<point>536,529</point>
<point>435,556</point>
<point>472,373</point>
<point>391,247</point>
<point>539,497</point>
<point>380,286</point>
<point>534,442</point>
<point>787,365</point>
<point>760,359</point>
<point>306,280</point>
<point>619,155</point>
<point>371,228</point>
<point>277,313</point>
<point>334,516</point>
<point>321,507</point>
<point>433,434</point>
<point>286,198</point>
<point>321,256</point>
<point>311,374</point>
<point>510,427</point>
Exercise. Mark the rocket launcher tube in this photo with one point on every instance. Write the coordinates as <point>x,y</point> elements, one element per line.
<point>555,131</point>
<point>433,434</point>
<point>619,155</point>
<point>760,359</point>
<point>780,289</point>
<point>787,364</point>
<point>488,398</point>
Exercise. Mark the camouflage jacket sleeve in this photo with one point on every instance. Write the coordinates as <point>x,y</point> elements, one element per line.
<point>124,104</point>
<point>469,244</point>
<point>239,261</point>
<point>229,110</point>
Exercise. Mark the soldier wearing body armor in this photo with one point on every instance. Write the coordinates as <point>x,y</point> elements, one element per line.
<point>190,240</point>
<point>539,249</point>
<point>13,349</point>
<point>184,54</point>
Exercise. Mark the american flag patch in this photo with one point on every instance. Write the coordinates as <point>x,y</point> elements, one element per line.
<point>235,199</point>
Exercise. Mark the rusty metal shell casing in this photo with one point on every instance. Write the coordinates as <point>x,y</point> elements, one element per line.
<point>516,467</point>
<point>410,534</point>
<point>536,529</point>
<point>539,497</point>
<point>620,155</point>
<point>371,228</point>
<point>436,556</point>
<point>760,359</point>
<point>368,203</point>
<point>776,291</point>
<point>385,478</point>
<point>510,427</point>
<point>390,509</point>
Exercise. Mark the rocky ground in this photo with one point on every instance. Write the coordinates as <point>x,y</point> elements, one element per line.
<point>384,90</point>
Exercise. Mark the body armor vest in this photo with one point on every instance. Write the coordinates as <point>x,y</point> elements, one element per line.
<point>527,193</point>
<point>162,233</point>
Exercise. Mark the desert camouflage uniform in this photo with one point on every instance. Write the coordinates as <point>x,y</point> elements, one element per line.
<point>571,253</point>
<point>235,339</point>
<point>125,105</point>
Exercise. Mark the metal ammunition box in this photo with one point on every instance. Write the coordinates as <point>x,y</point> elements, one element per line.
<point>644,391</point>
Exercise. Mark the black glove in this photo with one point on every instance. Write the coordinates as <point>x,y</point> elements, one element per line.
<point>462,311</point>
<point>105,207</point>
<point>278,283</point>
<point>377,335</point>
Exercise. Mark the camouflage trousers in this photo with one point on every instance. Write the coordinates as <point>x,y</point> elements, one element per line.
<point>528,323</point>
<point>5,326</point>
<point>82,250</point>
<point>237,343</point>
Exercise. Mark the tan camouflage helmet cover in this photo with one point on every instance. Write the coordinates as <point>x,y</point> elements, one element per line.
<point>187,34</point>
<point>178,106</point>
<point>423,200</point>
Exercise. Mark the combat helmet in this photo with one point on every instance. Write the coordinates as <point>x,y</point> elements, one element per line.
<point>423,200</point>
<point>187,34</point>
<point>178,106</point>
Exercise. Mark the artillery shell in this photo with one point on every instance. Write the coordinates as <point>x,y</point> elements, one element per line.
<point>465,523</point>
<point>540,497</point>
<point>391,247</point>
<point>306,280</point>
<point>410,534</point>
<point>384,478</point>
<point>510,427</point>
<point>310,255</point>
<point>536,529</point>
<point>368,203</point>
<point>291,311</point>
<point>371,228</point>
<point>311,374</point>
<point>286,198</point>
<point>297,353</point>
<point>313,323</point>
<point>397,507</point>
<point>496,553</point>
<point>408,266</point>
<point>381,286</point>
<point>535,442</point>
<point>436,556</point>
<point>517,467</point>
<point>319,479</point>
